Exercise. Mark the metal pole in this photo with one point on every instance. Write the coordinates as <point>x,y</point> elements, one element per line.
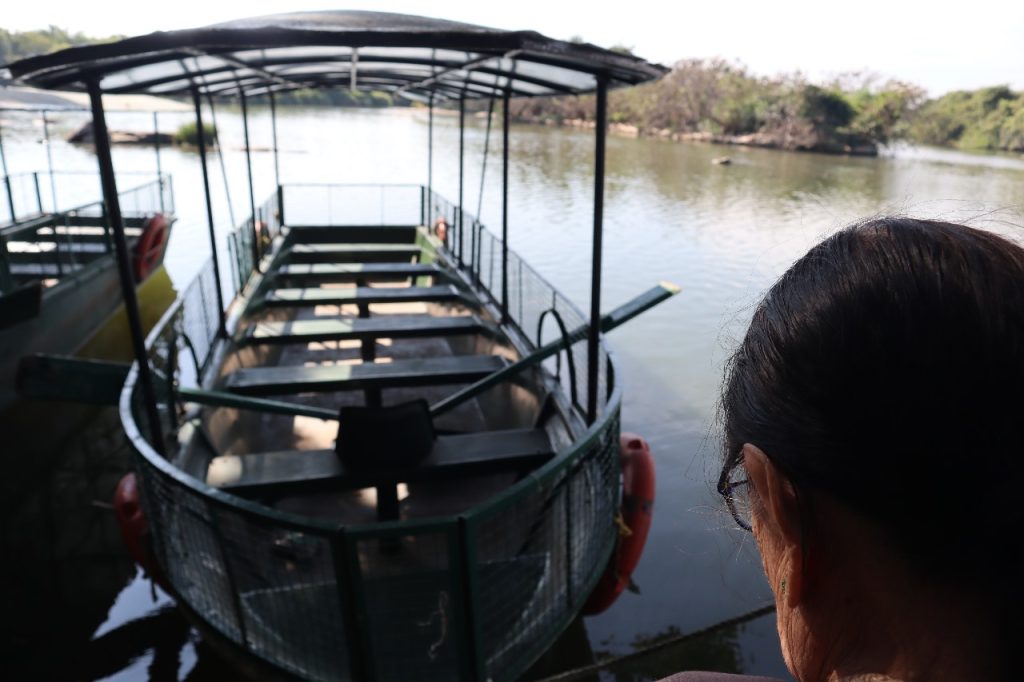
<point>504,206</point>
<point>49,160</point>
<point>462,149</point>
<point>159,168</point>
<point>201,138</point>
<point>430,160</point>
<point>7,177</point>
<point>131,302</point>
<point>600,132</point>
<point>273,132</point>
<point>252,194</point>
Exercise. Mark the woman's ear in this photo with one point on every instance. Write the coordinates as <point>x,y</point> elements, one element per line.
<point>779,526</point>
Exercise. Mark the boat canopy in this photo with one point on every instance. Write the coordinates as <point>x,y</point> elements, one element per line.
<point>410,56</point>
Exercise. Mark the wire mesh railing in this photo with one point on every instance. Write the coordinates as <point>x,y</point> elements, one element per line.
<point>28,195</point>
<point>474,596</point>
<point>52,245</point>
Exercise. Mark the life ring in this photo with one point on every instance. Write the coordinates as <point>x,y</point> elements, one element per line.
<point>149,250</point>
<point>441,228</point>
<point>134,527</point>
<point>634,521</point>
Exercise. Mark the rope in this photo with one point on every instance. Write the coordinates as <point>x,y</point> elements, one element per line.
<point>589,670</point>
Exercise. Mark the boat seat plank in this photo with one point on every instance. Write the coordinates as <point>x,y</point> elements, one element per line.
<point>354,272</point>
<point>358,253</point>
<point>399,373</point>
<point>362,295</point>
<point>361,328</point>
<point>452,456</point>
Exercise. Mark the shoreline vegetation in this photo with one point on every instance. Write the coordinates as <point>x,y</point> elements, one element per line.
<point>717,101</point>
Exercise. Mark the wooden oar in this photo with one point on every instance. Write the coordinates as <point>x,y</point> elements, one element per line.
<point>617,317</point>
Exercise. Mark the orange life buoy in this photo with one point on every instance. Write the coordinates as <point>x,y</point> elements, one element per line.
<point>441,228</point>
<point>131,521</point>
<point>149,249</point>
<point>634,522</point>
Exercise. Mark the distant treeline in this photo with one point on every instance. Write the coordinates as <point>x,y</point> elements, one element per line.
<point>720,101</point>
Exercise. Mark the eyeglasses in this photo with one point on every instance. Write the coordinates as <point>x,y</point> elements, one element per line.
<point>737,496</point>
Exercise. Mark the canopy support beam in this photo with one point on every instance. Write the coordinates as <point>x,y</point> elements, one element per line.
<point>252,195</point>
<point>49,159</point>
<point>131,302</point>
<point>462,152</point>
<point>504,205</point>
<point>594,336</point>
<point>430,162</point>
<point>201,139</point>
<point>159,167</point>
<point>7,177</point>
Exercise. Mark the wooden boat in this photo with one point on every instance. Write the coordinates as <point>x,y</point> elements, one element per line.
<point>461,514</point>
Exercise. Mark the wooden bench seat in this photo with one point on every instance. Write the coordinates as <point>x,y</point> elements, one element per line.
<point>329,273</point>
<point>277,473</point>
<point>362,295</point>
<point>352,253</point>
<point>456,369</point>
<point>392,327</point>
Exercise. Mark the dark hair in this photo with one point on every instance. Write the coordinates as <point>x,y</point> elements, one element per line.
<point>886,369</point>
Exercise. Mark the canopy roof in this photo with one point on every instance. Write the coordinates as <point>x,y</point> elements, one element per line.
<point>407,55</point>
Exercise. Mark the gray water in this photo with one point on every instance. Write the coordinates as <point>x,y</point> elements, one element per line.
<point>723,233</point>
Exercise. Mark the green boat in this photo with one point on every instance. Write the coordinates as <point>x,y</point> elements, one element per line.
<point>394,452</point>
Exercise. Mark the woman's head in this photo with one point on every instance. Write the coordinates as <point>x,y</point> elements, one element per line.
<point>884,372</point>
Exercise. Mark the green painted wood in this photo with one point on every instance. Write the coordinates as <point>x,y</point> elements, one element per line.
<point>396,327</point>
<point>452,456</point>
<point>353,272</point>
<point>361,295</point>
<point>418,372</point>
<point>624,313</point>
<point>352,253</point>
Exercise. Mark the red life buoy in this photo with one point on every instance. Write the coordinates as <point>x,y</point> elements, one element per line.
<point>131,521</point>
<point>634,522</point>
<point>149,250</point>
<point>441,228</point>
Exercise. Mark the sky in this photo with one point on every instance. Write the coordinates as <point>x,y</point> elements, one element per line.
<point>941,46</point>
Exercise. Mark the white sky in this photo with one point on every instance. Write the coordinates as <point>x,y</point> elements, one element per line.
<point>939,45</point>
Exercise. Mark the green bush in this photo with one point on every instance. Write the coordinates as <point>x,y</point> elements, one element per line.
<point>188,134</point>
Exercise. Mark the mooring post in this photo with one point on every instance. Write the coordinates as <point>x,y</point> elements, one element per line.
<point>593,338</point>
<point>131,302</point>
<point>201,139</point>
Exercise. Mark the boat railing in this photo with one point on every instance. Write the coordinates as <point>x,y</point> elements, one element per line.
<point>51,245</point>
<point>478,595</point>
<point>26,196</point>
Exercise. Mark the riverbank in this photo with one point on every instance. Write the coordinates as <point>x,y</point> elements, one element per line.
<point>781,140</point>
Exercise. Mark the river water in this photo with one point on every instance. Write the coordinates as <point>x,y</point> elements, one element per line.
<point>722,232</point>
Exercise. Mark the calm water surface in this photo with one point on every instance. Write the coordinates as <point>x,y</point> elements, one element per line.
<point>724,233</point>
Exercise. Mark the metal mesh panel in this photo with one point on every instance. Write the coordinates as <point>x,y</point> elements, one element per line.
<point>411,599</point>
<point>191,551</point>
<point>288,595</point>
<point>540,554</point>
<point>352,204</point>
